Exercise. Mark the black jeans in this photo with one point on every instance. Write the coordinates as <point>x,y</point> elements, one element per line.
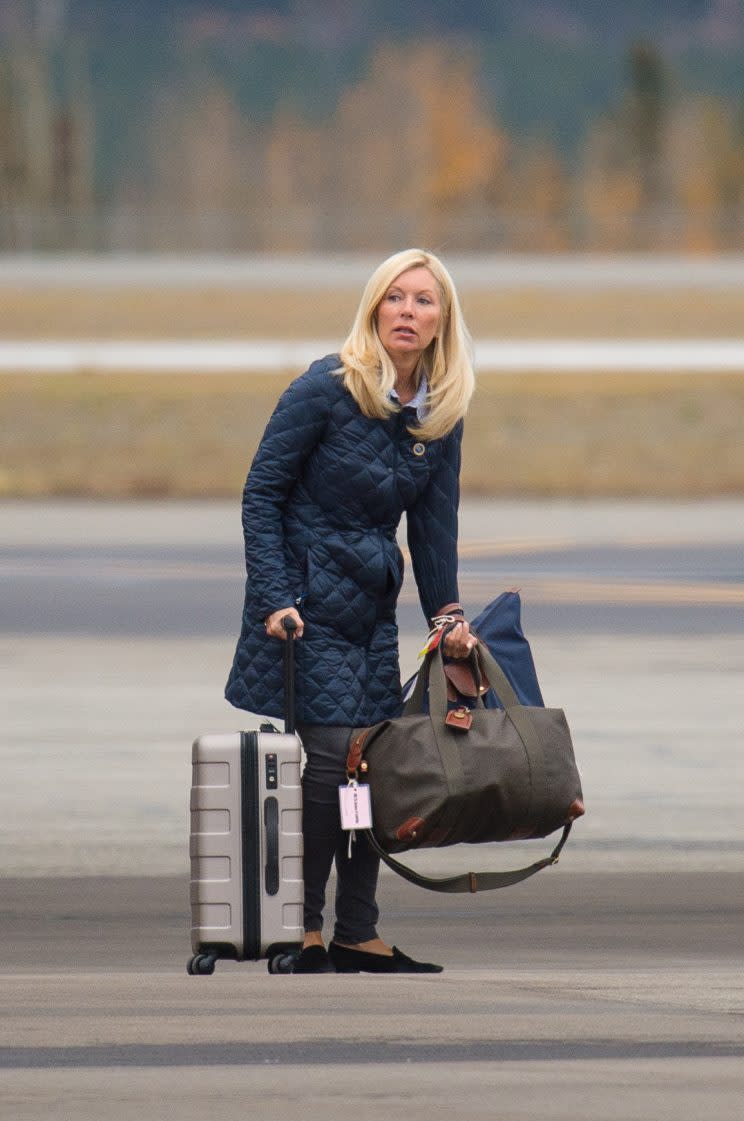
<point>324,839</point>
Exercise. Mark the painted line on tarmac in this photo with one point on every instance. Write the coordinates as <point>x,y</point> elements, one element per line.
<point>510,545</point>
<point>96,569</point>
<point>571,590</point>
<point>584,591</point>
<point>200,356</point>
<point>480,588</point>
<point>324,1052</point>
<point>473,586</point>
<point>73,554</point>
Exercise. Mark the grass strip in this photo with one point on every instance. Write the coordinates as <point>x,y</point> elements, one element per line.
<point>528,434</point>
<point>225,313</point>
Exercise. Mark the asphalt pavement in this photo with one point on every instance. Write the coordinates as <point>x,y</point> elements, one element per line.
<point>609,986</point>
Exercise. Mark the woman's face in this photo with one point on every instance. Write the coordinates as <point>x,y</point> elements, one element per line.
<point>409,314</point>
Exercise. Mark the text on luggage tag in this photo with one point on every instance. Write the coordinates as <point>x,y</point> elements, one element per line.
<point>356,806</point>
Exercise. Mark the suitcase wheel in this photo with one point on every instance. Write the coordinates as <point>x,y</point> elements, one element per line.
<point>281,963</point>
<point>201,964</point>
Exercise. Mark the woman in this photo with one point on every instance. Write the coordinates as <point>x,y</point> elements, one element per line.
<point>353,443</point>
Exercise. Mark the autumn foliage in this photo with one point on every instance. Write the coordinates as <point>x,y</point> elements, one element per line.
<point>410,153</point>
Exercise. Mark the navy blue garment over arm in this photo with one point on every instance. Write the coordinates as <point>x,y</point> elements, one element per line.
<point>432,530</point>
<point>321,507</point>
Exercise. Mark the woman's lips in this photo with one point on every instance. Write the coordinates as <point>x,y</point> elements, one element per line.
<point>407,332</point>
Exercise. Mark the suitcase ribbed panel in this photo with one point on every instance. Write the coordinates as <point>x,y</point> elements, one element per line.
<point>246,895</point>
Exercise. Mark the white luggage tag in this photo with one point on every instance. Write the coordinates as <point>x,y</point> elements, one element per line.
<point>356,808</point>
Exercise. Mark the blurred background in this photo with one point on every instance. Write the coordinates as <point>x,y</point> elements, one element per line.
<point>224,171</point>
<point>341,125</point>
<point>225,174</point>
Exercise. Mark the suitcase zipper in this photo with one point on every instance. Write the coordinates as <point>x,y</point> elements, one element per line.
<point>251,846</point>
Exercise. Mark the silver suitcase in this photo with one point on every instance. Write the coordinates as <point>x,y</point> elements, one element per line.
<point>247,889</point>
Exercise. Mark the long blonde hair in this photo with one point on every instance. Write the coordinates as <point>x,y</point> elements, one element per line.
<point>368,371</point>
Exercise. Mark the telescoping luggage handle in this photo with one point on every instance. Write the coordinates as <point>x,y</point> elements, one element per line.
<point>290,625</point>
<point>271,805</point>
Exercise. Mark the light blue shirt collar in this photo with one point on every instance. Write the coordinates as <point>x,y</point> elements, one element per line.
<point>417,402</point>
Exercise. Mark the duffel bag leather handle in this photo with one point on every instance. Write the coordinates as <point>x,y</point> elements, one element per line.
<point>497,679</point>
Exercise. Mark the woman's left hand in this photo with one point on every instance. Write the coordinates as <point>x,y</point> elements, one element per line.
<point>460,641</point>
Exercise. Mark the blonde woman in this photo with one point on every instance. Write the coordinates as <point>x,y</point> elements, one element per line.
<point>356,441</point>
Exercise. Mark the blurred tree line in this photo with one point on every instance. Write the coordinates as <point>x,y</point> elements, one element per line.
<point>213,140</point>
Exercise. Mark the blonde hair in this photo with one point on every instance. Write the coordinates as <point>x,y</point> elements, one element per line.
<point>368,371</point>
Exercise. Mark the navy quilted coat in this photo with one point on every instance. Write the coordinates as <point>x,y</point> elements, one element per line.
<point>321,506</point>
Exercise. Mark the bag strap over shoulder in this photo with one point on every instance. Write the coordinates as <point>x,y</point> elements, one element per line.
<point>468,881</point>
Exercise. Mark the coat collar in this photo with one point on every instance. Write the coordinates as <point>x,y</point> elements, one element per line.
<point>417,402</point>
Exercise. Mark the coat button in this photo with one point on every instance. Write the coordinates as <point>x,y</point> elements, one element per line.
<point>419,449</point>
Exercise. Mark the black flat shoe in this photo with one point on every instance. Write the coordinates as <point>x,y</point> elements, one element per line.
<point>313,959</point>
<point>359,961</point>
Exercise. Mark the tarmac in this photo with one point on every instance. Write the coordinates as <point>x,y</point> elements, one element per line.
<point>579,995</point>
<point>608,987</point>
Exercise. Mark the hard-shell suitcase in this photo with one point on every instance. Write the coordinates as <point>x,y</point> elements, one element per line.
<point>247,888</point>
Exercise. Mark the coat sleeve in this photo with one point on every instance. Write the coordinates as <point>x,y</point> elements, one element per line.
<point>294,429</point>
<point>432,530</point>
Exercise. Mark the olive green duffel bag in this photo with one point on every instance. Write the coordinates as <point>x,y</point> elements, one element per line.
<point>470,775</point>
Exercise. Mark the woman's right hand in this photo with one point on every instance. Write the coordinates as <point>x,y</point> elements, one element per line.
<point>274,626</point>
<point>459,641</point>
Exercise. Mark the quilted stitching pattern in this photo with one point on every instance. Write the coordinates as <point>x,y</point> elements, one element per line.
<point>321,506</point>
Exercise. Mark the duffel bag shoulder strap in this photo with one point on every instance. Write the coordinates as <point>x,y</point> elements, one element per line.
<point>468,881</point>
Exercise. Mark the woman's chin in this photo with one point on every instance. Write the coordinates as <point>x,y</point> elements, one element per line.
<point>402,348</point>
